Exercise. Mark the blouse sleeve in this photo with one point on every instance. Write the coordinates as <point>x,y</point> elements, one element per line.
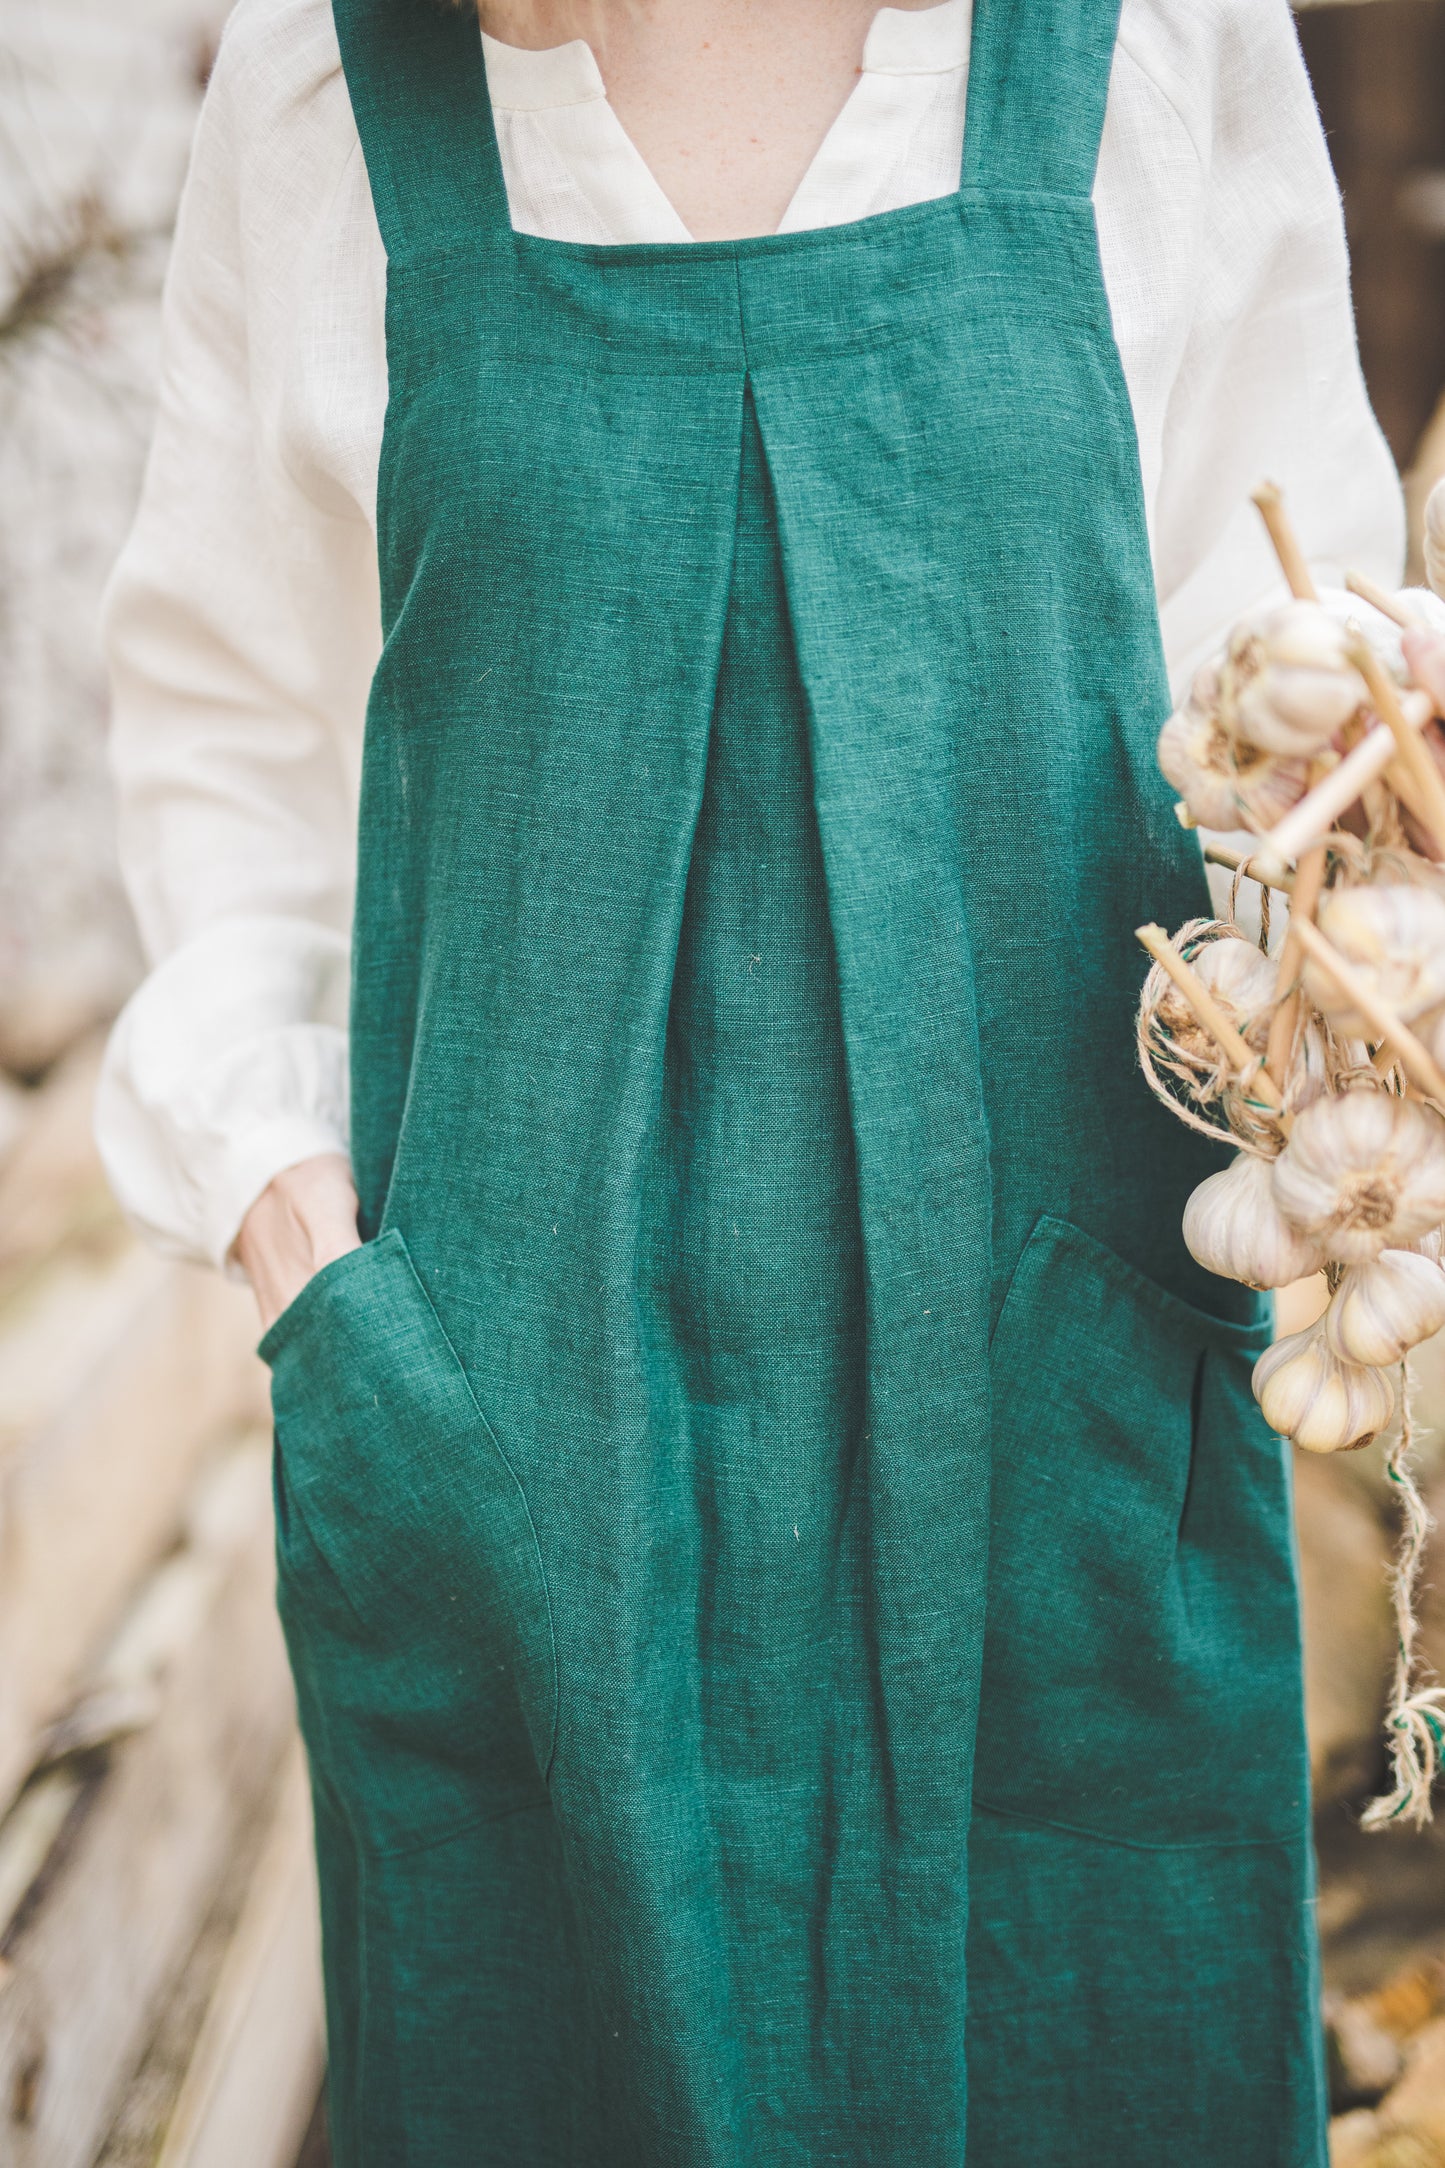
<point>242,628</point>
<point>1269,382</point>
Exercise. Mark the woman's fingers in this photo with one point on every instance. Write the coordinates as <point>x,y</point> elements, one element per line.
<point>1425,653</point>
<point>304,1219</point>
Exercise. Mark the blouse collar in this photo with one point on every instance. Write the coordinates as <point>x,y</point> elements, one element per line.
<point>923,41</point>
<point>901,41</point>
<point>523,81</point>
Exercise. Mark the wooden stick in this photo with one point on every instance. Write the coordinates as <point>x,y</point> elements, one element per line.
<point>1309,882</point>
<point>1241,1054</point>
<point>1385,699</point>
<point>1270,505</point>
<point>1319,809</point>
<point>1388,605</point>
<point>1216,854</point>
<point>1415,1059</point>
<point>1403,785</point>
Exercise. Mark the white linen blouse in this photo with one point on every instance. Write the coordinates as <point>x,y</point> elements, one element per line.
<point>243,619</point>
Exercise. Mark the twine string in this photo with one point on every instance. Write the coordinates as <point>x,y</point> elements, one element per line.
<point>1415,1720</point>
<point>1196,1082</point>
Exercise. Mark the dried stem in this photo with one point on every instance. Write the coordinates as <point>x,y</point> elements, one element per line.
<point>1309,884</point>
<point>1245,862</point>
<point>1414,757</point>
<point>1312,819</point>
<point>1407,790</point>
<point>1415,1059</point>
<point>1270,505</point>
<point>1388,605</point>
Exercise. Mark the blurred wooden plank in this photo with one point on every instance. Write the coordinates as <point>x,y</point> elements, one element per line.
<point>52,1187</point>
<point>1349,1640</point>
<point>251,2088</point>
<point>113,1380</point>
<point>148,2105</point>
<point>106,1926</point>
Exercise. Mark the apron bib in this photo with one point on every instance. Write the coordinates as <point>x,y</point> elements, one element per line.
<point>791,1599</point>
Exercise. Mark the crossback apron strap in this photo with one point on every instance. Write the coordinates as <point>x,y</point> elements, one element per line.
<point>418,90</point>
<point>1038,90</point>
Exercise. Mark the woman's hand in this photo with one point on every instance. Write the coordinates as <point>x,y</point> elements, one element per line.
<point>1425,653</point>
<point>303,1220</point>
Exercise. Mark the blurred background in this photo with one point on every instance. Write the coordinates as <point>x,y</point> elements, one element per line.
<point>159,1988</point>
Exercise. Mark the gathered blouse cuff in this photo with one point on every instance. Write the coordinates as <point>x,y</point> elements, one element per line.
<point>229,1065</point>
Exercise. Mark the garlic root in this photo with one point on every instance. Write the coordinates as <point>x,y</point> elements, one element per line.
<point>1363,1172</point>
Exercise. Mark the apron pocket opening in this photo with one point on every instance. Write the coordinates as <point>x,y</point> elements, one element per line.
<point>410,1579</point>
<point>1141,1605</point>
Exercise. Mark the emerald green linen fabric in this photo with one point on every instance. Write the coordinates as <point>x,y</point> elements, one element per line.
<point>790,1597</point>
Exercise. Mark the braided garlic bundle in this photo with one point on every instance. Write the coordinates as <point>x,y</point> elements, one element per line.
<point>1343,1165</point>
<point>1325,1065</point>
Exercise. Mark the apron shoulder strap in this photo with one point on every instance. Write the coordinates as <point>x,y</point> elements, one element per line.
<point>1038,91</point>
<point>418,89</point>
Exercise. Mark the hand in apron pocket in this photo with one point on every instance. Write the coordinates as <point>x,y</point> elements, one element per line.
<point>410,1582</point>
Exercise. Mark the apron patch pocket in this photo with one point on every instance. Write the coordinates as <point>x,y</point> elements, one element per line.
<point>410,1582</point>
<point>1141,1675</point>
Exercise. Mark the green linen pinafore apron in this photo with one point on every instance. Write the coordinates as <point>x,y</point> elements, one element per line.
<point>791,1601</point>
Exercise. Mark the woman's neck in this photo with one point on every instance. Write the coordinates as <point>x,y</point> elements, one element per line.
<point>726,100</point>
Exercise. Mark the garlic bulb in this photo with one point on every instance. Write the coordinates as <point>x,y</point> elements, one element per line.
<point>1224,784</point>
<point>1395,938</point>
<point>1381,1311</point>
<point>1435,538</point>
<point>1242,981</point>
<point>1431,1245</point>
<point>1233,1226</point>
<point>1288,685</point>
<point>1363,1172</point>
<point>1326,1406</point>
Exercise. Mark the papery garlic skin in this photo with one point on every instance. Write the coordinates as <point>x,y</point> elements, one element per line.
<point>1326,1406</point>
<point>1233,1226</point>
<point>1309,1069</point>
<point>1288,685</point>
<point>1380,1311</point>
<point>1223,784</point>
<point>1312,1066</point>
<point>1395,937</point>
<point>1363,1172</point>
